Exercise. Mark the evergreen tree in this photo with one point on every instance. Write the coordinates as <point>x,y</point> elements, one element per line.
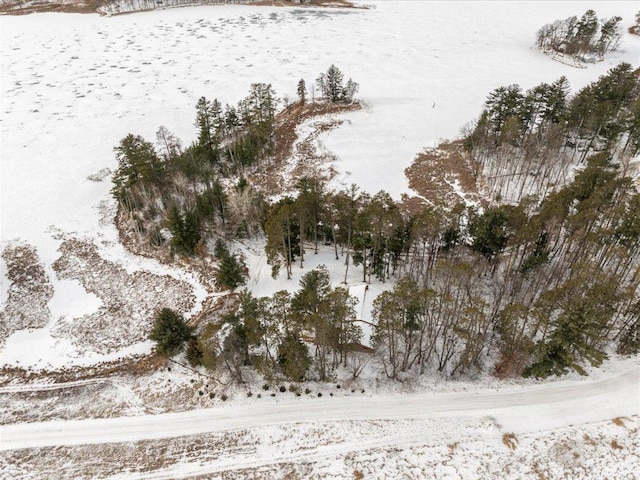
<point>332,88</point>
<point>230,274</point>
<point>184,227</point>
<point>170,332</point>
<point>138,164</point>
<point>502,104</point>
<point>586,29</point>
<point>293,358</point>
<point>609,35</point>
<point>209,122</point>
<point>302,91</point>
<point>489,232</point>
<point>579,311</point>
<point>315,286</point>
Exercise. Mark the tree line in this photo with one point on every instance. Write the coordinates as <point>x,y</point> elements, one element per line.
<point>178,197</point>
<point>582,36</point>
<point>535,286</point>
<point>528,142</point>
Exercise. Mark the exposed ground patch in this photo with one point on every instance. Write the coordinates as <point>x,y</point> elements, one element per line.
<point>129,301</point>
<point>28,294</point>
<point>443,177</point>
<point>297,151</point>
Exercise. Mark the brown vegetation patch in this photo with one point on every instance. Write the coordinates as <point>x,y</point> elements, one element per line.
<point>615,445</point>
<point>510,440</point>
<point>64,403</point>
<point>28,294</point>
<point>442,177</point>
<point>23,7</point>
<point>511,365</point>
<point>129,301</point>
<point>619,421</point>
<point>123,392</point>
<point>100,461</point>
<point>134,365</point>
<point>295,158</point>
<point>202,265</point>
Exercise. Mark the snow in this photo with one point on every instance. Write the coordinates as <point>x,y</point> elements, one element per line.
<point>39,349</point>
<point>70,298</point>
<point>539,407</point>
<point>262,284</point>
<point>327,431</point>
<point>71,93</point>
<point>73,85</point>
<point>68,99</point>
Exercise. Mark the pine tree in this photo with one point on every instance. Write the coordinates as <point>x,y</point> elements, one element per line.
<point>138,163</point>
<point>293,358</point>
<point>609,35</point>
<point>315,286</point>
<point>230,274</point>
<point>579,311</point>
<point>302,91</point>
<point>170,332</point>
<point>489,232</point>
<point>586,29</point>
<point>332,88</point>
<point>208,121</point>
<point>184,227</point>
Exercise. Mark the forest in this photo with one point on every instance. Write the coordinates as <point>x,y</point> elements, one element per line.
<point>540,280</point>
<point>581,37</point>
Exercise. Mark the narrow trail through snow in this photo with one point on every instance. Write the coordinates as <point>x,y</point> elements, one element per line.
<point>520,409</point>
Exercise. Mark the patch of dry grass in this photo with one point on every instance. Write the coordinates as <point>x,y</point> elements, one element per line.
<point>442,177</point>
<point>619,421</point>
<point>510,440</point>
<point>615,445</point>
<point>29,292</point>
<point>17,7</point>
<point>129,300</point>
<point>293,157</point>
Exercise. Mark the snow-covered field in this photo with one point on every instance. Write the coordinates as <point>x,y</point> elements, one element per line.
<point>73,85</point>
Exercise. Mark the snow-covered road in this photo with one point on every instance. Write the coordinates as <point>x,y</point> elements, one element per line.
<point>517,409</point>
